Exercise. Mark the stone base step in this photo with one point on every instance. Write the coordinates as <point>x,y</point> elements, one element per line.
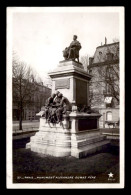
<point>89,149</point>
<point>50,150</point>
<point>53,139</point>
<point>59,142</point>
<point>66,142</point>
<point>53,143</point>
<point>85,135</point>
<point>52,135</point>
<point>84,142</point>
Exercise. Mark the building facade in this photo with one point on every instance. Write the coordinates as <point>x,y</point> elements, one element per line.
<point>104,85</point>
<point>35,102</point>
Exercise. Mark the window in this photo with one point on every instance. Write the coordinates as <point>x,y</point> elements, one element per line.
<point>108,102</point>
<point>109,116</point>
<point>108,89</point>
<point>110,56</point>
<point>110,73</point>
<point>90,71</point>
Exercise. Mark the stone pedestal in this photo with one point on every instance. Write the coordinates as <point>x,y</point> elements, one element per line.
<point>71,80</point>
<point>79,134</point>
<point>51,139</point>
<point>69,138</point>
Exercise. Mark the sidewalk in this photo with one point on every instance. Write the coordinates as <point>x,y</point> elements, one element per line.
<point>17,131</point>
<point>26,126</point>
<point>25,121</point>
<point>110,130</point>
<point>111,133</point>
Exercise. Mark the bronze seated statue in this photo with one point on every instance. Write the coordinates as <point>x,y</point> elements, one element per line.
<point>72,52</point>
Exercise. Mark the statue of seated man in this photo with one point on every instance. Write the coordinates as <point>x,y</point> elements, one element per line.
<point>72,52</point>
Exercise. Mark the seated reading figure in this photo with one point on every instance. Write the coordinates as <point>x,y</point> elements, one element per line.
<point>51,105</point>
<point>63,106</point>
<point>52,117</point>
<point>72,52</point>
<point>55,107</point>
<point>48,105</point>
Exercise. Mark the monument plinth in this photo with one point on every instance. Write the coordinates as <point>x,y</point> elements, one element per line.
<point>72,80</point>
<point>78,134</point>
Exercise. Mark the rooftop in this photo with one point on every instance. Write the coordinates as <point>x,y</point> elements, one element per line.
<point>105,54</point>
<point>105,45</point>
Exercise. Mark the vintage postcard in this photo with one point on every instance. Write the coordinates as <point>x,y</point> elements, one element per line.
<point>65,97</point>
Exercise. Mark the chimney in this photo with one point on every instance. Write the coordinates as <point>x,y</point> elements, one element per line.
<point>105,40</point>
<point>101,43</point>
<point>90,60</point>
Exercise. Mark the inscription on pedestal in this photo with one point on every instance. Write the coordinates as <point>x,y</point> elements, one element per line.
<point>85,124</point>
<point>62,84</point>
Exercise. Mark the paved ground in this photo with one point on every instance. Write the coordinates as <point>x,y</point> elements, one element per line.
<point>26,122</point>
<point>110,130</point>
<point>27,126</point>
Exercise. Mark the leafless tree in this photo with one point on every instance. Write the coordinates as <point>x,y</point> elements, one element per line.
<point>105,80</point>
<point>84,61</point>
<point>110,78</point>
<point>24,85</point>
<point>48,81</point>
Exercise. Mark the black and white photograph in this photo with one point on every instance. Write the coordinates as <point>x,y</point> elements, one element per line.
<point>65,97</point>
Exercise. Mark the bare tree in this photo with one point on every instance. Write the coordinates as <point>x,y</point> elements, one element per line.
<point>84,61</point>
<point>48,81</point>
<point>110,77</point>
<point>105,80</point>
<point>23,86</point>
<point>95,95</point>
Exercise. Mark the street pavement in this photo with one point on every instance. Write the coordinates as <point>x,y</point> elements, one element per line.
<point>26,125</point>
<point>16,123</point>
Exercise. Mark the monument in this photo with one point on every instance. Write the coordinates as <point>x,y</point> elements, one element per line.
<point>77,134</point>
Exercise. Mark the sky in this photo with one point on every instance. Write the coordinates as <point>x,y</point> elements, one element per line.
<point>40,36</point>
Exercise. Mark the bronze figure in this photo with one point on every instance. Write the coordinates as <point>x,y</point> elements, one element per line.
<point>72,52</point>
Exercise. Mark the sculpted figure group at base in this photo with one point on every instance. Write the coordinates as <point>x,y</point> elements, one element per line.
<point>55,107</point>
<point>72,52</point>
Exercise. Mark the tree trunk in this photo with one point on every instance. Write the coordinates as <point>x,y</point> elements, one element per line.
<point>20,122</point>
<point>20,119</point>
